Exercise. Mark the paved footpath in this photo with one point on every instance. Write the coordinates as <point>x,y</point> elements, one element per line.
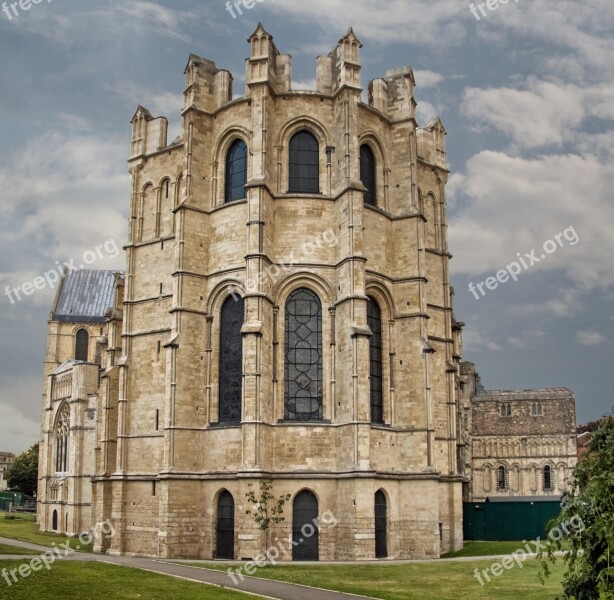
<point>252,585</point>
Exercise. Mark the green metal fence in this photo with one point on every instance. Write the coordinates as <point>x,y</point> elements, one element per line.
<point>14,498</point>
<point>508,521</point>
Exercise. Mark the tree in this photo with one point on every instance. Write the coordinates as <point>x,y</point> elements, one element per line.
<point>590,501</point>
<point>588,427</point>
<point>23,473</point>
<point>262,514</point>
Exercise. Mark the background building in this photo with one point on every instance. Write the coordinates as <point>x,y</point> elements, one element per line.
<point>77,344</point>
<point>6,459</point>
<point>521,443</point>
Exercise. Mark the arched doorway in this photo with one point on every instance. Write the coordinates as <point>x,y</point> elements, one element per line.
<point>381,525</point>
<point>305,527</point>
<point>225,526</point>
<point>54,524</point>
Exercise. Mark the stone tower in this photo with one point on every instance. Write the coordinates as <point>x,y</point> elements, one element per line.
<point>287,317</point>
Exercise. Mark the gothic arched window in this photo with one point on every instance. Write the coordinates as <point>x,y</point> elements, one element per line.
<point>231,360</point>
<point>367,174</point>
<point>303,357</point>
<point>304,165</point>
<point>81,345</point>
<point>374,320</point>
<point>236,171</point>
<point>62,432</point>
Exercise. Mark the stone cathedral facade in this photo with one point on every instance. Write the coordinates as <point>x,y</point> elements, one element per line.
<point>285,315</point>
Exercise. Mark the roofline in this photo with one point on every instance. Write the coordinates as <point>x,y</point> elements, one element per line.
<point>58,291</point>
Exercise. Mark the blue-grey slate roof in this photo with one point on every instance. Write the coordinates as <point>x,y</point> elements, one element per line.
<point>85,296</point>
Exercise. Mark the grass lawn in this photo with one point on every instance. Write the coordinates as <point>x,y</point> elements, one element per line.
<point>487,549</point>
<point>96,581</point>
<point>23,527</point>
<point>14,550</point>
<point>436,581</point>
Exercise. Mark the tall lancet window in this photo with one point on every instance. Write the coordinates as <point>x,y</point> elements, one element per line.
<point>62,433</point>
<point>231,360</point>
<point>303,357</point>
<point>367,174</point>
<point>236,171</point>
<point>374,320</point>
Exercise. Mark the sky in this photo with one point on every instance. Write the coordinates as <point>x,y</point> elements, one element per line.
<point>525,91</point>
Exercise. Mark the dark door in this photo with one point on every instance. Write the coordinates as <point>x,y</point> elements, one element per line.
<point>305,527</point>
<point>54,525</point>
<point>225,526</point>
<point>381,525</point>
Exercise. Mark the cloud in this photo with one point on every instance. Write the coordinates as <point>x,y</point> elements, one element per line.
<point>74,122</point>
<point>430,23</point>
<point>308,84</point>
<point>425,112</point>
<point>507,205</point>
<point>590,338</point>
<point>475,341</point>
<point>20,412</point>
<point>579,32</point>
<point>65,193</point>
<point>542,114</point>
<point>17,432</point>
<point>526,339</point>
<point>159,103</point>
<point>567,303</point>
<point>532,118</point>
<point>125,18</point>
<point>426,79</point>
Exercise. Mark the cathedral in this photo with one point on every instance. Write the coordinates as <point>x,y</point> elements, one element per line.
<point>285,317</point>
